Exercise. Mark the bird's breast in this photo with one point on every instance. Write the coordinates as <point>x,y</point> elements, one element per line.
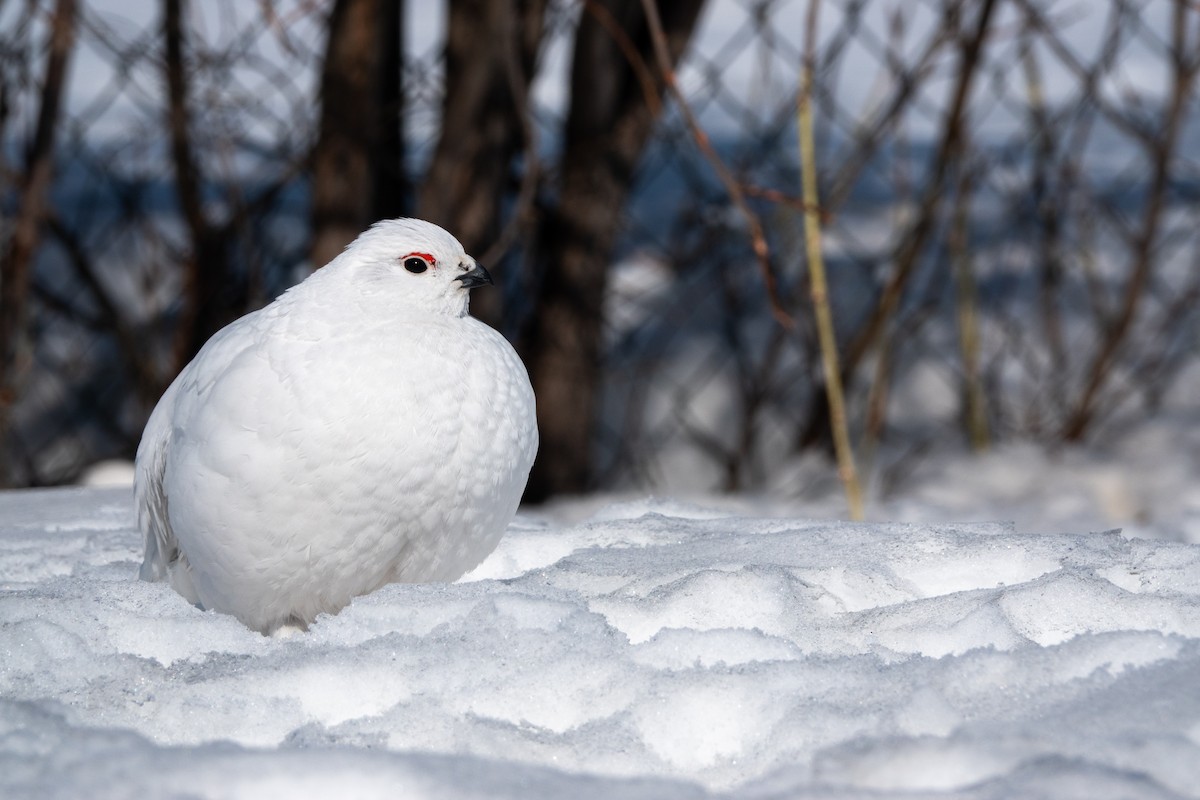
<point>425,407</point>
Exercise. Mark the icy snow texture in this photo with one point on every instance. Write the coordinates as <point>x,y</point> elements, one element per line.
<point>657,650</point>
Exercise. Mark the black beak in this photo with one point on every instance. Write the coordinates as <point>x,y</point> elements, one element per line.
<point>476,277</point>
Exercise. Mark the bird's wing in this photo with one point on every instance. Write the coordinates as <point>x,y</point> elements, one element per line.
<point>164,560</point>
<point>151,497</point>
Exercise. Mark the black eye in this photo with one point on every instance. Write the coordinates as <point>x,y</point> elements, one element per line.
<point>416,265</point>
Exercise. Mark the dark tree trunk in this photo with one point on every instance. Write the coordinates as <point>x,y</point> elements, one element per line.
<point>212,295</point>
<point>391,181</point>
<point>17,261</point>
<point>609,123</point>
<point>491,54</point>
<point>358,169</point>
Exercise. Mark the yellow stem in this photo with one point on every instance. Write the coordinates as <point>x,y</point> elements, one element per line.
<point>820,298</point>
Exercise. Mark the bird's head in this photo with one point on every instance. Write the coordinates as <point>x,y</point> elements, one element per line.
<point>413,263</point>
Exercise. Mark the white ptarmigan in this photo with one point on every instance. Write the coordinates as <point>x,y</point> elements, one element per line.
<point>361,429</point>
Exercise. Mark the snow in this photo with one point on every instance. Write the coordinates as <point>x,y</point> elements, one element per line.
<point>639,648</point>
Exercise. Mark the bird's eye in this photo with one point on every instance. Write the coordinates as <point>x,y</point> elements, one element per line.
<point>416,264</point>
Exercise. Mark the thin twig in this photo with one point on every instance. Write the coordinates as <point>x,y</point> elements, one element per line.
<point>968,312</point>
<point>1185,66</point>
<point>913,243</point>
<point>880,388</point>
<point>758,238</point>
<point>1046,210</point>
<point>111,315</point>
<point>784,199</point>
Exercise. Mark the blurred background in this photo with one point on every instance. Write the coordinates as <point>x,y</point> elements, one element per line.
<point>1010,198</point>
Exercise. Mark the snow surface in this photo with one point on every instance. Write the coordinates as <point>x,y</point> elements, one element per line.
<point>655,649</point>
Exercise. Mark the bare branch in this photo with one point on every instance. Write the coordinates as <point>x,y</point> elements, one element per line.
<point>758,238</point>
<point>1184,68</point>
<point>913,242</point>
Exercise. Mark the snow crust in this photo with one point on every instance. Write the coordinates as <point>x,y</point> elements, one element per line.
<point>656,649</point>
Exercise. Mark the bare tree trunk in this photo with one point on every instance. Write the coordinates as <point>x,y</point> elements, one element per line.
<point>608,124</point>
<point>391,189</point>
<point>17,264</point>
<point>212,296</point>
<point>358,159</point>
<point>491,56</point>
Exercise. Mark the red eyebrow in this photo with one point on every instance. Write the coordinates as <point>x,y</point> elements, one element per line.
<point>432,261</point>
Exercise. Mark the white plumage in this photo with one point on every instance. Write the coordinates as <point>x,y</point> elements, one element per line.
<point>361,429</point>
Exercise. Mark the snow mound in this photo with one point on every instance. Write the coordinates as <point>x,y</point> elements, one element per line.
<point>655,650</point>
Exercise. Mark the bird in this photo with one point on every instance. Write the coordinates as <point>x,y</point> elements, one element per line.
<point>362,429</point>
